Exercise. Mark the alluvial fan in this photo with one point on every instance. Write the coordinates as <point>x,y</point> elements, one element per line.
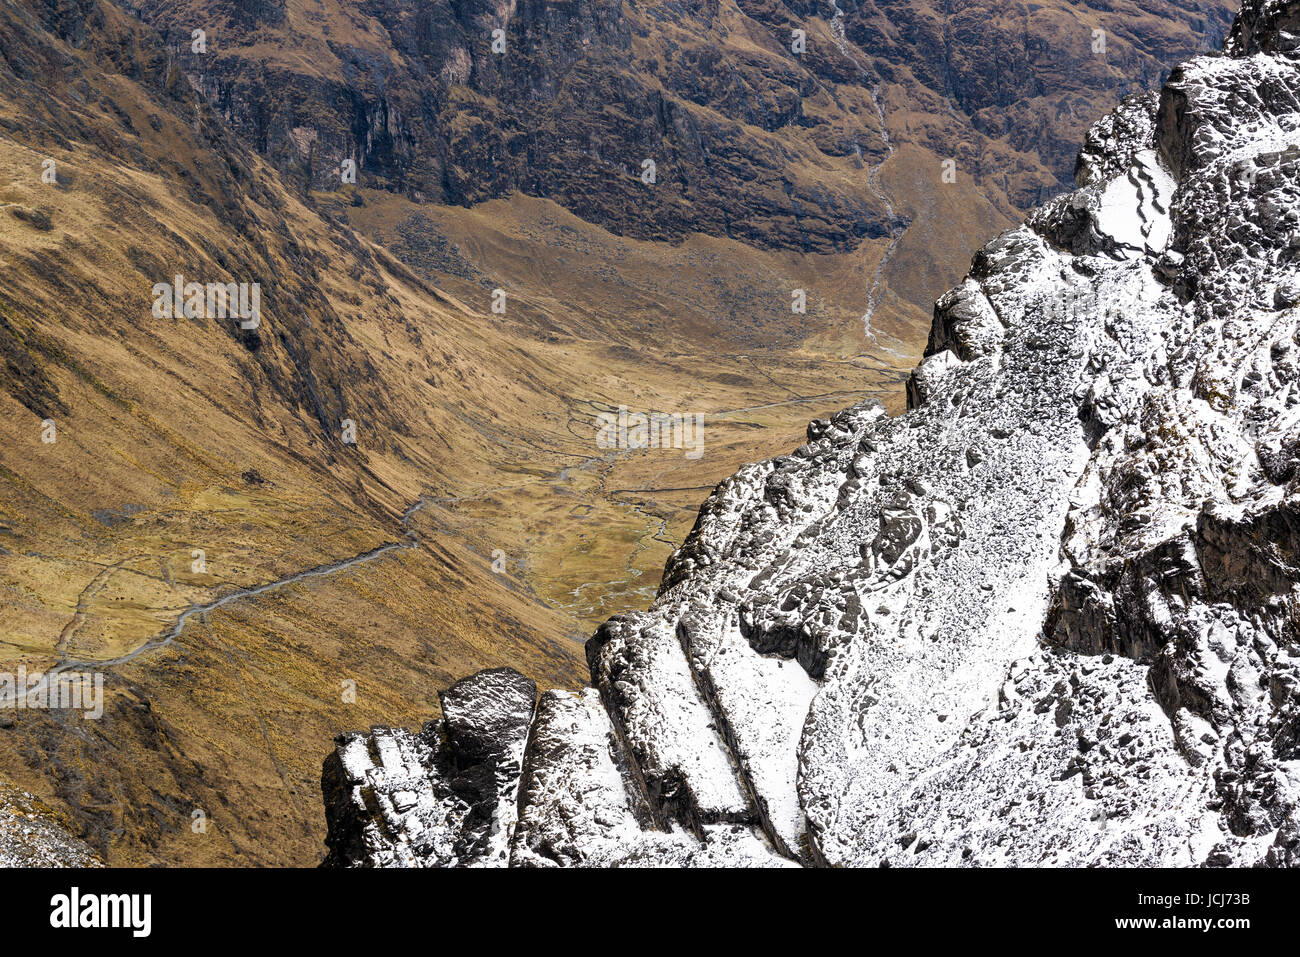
<point>1048,616</point>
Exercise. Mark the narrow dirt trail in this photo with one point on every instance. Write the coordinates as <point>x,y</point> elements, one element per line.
<point>170,636</point>
<point>655,529</point>
<point>66,663</point>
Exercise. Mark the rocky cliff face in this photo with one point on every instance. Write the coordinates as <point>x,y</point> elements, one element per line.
<point>1045,617</point>
<point>751,139</point>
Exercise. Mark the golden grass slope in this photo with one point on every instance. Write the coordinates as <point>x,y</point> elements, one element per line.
<point>475,437</point>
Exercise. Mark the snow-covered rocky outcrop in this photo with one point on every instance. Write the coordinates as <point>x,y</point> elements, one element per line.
<point>1049,616</point>
<point>32,834</point>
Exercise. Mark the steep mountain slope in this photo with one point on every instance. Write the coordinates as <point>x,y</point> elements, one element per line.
<point>837,148</point>
<point>1045,617</point>
<point>186,461</point>
<point>180,510</point>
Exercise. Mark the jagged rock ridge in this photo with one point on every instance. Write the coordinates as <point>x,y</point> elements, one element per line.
<point>1045,617</point>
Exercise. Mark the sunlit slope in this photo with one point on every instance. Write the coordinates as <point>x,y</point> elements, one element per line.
<point>199,530</point>
<point>189,460</point>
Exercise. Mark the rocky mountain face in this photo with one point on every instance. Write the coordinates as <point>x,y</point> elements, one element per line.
<point>462,102</point>
<point>1045,617</point>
